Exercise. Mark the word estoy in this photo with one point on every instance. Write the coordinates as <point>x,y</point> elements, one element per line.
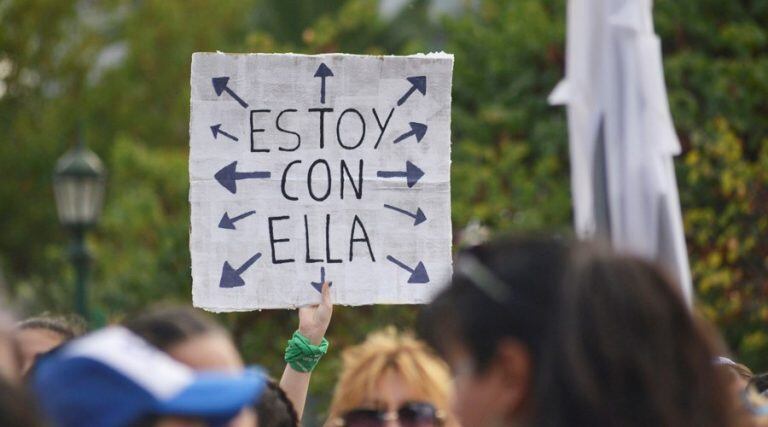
<point>351,126</point>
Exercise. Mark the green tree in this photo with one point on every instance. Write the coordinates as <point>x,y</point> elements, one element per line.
<point>122,68</point>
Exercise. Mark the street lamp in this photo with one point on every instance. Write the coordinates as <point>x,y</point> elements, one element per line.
<point>78,184</point>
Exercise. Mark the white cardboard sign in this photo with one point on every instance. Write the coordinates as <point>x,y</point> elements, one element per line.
<point>311,167</point>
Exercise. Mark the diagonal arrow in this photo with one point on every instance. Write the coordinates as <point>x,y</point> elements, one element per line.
<point>323,71</point>
<point>220,86</point>
<point>228,176</point>
<point>229,223</point>
<point>230,277</point>
<point>412,174</point>
<point>418,217</point>
<point>418,274</point>
<point>417,129</point>
<point>216,130</point>
<point>319,285</point>
<point>417,83</point>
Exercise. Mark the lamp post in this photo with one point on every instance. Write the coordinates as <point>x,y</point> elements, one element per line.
<point>78,184</point>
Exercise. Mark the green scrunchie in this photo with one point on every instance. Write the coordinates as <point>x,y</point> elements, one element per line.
<point>301,355</point>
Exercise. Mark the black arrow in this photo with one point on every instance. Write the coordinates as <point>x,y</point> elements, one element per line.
<point>220,86</point>
<point>418,274</point>
<point>417,83</point>
<point>228,176</point>
<point>412,174</point>
<point>216,130</point>
<point>417,129</point>
<point>319,285</point>
<point>229,223</point>
<point>418,217</point>
<point>323,71</point>
<point>230,277</point>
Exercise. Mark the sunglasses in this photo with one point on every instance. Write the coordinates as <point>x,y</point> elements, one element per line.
<point>412,414</point>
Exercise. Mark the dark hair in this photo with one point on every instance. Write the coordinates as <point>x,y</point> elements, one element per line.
<point>16,407</point>
<point>68,327</point>
<point>611,339</point>
<point>274,409</point>
<point>164,327</point>
<point>529,268</point>
<point>759,382</point>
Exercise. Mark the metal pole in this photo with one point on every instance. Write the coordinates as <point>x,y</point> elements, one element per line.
<point>80,257</point>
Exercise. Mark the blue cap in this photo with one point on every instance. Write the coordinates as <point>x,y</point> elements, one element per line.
<point>112,378</point>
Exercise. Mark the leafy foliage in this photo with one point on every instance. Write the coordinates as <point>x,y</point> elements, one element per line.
<point>121,67</point>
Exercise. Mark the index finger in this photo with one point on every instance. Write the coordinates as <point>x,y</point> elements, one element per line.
<point>326,292</point>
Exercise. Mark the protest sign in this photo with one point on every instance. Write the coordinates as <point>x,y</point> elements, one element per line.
<point>304,168</point>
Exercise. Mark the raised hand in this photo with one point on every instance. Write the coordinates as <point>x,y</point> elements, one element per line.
<point>314,319</point>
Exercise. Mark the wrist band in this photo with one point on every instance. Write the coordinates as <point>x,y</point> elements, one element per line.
<point>301,355</point>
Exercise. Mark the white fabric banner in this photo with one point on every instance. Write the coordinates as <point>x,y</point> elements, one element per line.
<point>310,167</point>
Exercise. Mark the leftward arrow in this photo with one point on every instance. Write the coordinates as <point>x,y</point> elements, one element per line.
<point>220,86</point>
<point>229,223</point>
<point>412,174</point>
<point>323,71</point>
<point>418,217</point>
<point>216,130</point>
<point>228,176</point>
<point>418,274</point>
<point>230,277</point>
<point>417,129</point>
<point>319,285</point>
<point>417,83</point>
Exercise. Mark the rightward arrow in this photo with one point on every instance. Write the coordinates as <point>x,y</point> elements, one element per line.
<point>412,174</point>
<point>319,285</point>
<point>323,71</point>
<point>417,83</point>
<point>228,176</point>
<point>220,86</point>
<point>418,274</point>
<point>418,217</point>
<point>417,129</point>
<point>230,277</point>
<point>229,223</point>
<point>216,130</point>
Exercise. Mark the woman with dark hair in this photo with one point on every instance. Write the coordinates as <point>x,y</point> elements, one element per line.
<point>542,332</point>
<point>196,340</point>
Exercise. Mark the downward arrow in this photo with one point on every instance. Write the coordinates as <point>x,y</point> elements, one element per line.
<point>319,285</point>
<point>418,217</point>
<point>220,86</point>
<point>418,274</point>
<point>230,277</point>
<point>228,176</point>
<point>417,129</point>
<point>229,223</point>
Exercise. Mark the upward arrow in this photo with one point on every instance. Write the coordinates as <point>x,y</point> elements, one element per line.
<point>230,277</point>
<point>417,83</point>
<point>220,86</point>
<point>228,176</point>
<point>216,130</point>
<point>323,71</point>
<point>417,129</point>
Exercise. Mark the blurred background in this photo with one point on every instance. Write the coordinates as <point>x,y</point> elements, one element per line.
<point>115,73</point>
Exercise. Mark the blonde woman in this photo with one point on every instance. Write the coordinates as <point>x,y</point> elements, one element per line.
<point>390,380</point>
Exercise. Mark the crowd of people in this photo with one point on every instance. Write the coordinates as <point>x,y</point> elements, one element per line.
<point>531,331</point>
